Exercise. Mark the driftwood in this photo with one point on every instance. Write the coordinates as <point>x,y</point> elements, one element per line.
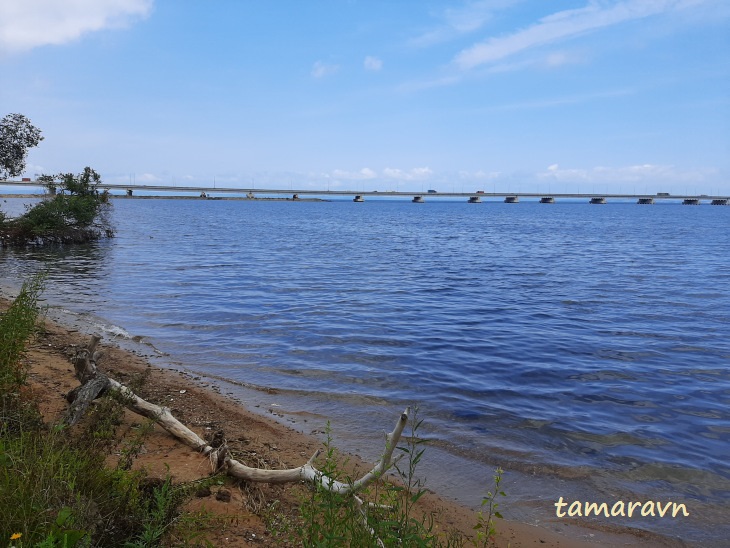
<point>95,383</point>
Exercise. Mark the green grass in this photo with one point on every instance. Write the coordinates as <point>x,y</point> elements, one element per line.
<point>391,516</point>
<point>55,486</point>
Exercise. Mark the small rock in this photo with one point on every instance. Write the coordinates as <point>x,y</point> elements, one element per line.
<point>223,495</point>
<point>203,491</point>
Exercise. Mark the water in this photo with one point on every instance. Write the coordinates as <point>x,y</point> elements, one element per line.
<point>585,349</point>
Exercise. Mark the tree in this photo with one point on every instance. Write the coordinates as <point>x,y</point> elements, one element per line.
<point>77,213</point>
<point>17,135</point>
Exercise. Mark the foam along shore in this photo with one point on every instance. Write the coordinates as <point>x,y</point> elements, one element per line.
<point>199,403</point>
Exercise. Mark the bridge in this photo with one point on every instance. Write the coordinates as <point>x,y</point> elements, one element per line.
<point>415,196</point>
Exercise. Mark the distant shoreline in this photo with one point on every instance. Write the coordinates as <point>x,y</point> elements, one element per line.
<point>157,197</point>
<point>240,198</point>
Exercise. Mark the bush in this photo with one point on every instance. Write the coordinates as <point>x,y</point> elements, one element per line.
<point>56,488</point>
<point>386,514</point>
<point>74,211</point>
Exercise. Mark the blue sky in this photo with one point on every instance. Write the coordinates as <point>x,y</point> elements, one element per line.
<point>504,95</point>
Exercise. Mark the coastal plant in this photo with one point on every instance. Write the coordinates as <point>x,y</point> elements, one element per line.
<point>52,486</point>
<point>326,515</point>
<point>17,324</point>
<point>73,211</point>
<point>385,514</point>
<point>485,527</point>
<point>56,488</point>
<point>413,487</point>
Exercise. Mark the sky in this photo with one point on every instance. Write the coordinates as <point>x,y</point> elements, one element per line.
<point>614,96</point>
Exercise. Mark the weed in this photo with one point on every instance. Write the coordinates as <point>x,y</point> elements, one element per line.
<point>485,527</point>
<point>55,488</point>
<point>17,324</point>
<point>388,516</point>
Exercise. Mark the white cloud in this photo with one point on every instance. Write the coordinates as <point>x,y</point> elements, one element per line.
<point>564,25</point>
<point>148,178</point>
<point>320,69</point>
<point>373,63</point>
<point>362,175</point>
<point>26,24</point>
<point>480,175</point>
<point>559,58</point>
<point>415,174</point>
<point>457,21</point>
<point>643,173</point>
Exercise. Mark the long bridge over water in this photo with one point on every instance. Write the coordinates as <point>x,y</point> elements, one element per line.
<point>415,196</point>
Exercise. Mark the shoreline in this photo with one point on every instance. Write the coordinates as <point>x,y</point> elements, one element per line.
<point>159,197</point>
<point>51,375</point>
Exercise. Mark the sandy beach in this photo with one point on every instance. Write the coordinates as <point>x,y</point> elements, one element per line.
<point>255,440</point>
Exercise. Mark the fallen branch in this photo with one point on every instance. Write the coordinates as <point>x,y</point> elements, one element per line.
<point>87,373</point>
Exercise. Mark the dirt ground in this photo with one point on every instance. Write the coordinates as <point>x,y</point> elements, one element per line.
<point>235,512</point>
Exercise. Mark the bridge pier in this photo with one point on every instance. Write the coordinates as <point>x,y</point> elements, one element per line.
<point>598,200</point>
<point>358,198</point>
<point>512,200</point>
<point>418,200</point>
<point>129,192</point>
<point>547,200</point>
<point>645,201</point>
<point>691,201</point>
<point>721,201</point>
<point>475,200</point>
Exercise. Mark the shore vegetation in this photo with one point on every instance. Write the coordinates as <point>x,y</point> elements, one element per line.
<point>73,210</point>
<point>56,486</point>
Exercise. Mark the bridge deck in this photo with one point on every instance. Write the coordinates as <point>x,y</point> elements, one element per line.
<point>172,189</point>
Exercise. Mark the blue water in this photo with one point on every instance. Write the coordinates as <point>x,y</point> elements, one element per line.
<point>585,349</point>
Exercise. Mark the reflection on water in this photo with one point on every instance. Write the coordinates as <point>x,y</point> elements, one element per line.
<point>583,349</point>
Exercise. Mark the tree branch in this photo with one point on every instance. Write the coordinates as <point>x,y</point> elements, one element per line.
<point>220,459</point>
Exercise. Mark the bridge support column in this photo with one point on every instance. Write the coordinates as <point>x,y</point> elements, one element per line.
<point>418,200</point>
<point>598,200</point>
<point>645,201</point>
<point>129,192</point>
<point>475,200</point>
<point>720,201</point>
<point>358,198</point>
<point>512,200</point>
<point>547,200</point>
<point>691,201</point>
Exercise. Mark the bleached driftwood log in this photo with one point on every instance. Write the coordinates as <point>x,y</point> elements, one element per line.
<point>86,372</point>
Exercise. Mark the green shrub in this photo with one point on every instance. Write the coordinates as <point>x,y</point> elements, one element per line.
<point>17,324</point>
<point>55,486</point>
<point>390,515</point>
<point>75,211</point>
